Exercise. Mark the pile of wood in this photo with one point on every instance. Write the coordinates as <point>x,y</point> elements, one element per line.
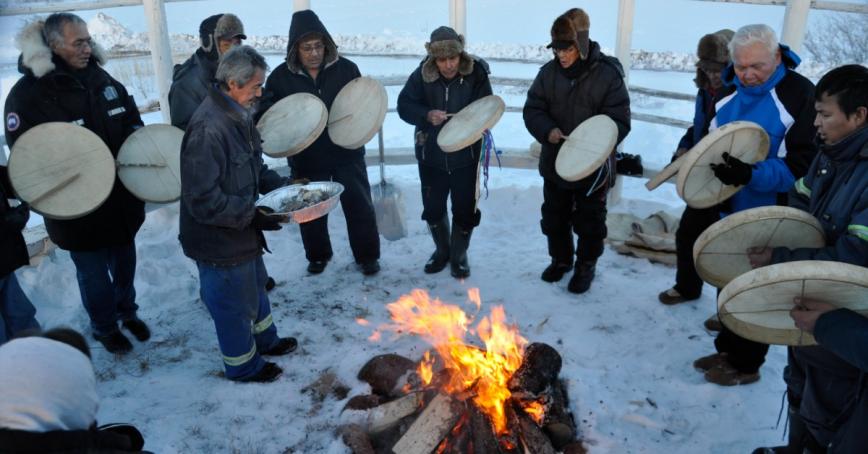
<point>403,416</point>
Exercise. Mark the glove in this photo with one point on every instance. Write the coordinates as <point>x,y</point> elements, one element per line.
<point>301,181</point>
<point>16,218</point>
<point>263,220</point>
<point>628,164</point>
<point>733,171</point>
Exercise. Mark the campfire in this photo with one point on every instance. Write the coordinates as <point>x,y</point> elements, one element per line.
<point>481,389</point>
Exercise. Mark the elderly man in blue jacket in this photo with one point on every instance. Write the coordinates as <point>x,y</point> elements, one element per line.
<point>221,227</point>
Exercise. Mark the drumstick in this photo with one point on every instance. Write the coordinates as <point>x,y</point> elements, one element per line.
<point>54,189</point>
<point>340,119</point>
<point>140,164</point>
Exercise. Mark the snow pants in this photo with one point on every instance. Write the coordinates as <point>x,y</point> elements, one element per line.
<point>105,280</point>
<point>693,222</point>
<point>585,213</point>
<point>16,311</point>
<point>459,186</point>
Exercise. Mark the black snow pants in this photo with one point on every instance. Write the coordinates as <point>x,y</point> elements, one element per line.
<point>585,213</point>
<point>458,185</point>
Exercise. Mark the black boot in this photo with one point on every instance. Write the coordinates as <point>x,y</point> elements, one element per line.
<point>582,277</point>
<point>555,271</point>
<point>798,439</point>
<point>458,252</point>
<point>560,244</point>
<point>440,257</point>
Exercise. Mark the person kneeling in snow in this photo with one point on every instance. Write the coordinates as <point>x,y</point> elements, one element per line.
<point>221,227</point>
<point>50,401</point>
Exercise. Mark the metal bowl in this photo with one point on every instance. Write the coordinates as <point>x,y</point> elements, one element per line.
<point>273,200</point>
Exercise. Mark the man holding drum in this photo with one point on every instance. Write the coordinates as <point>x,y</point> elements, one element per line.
<point>222,174</point>
<point>64,82</point>
<point>579,83</point>
<point>770,93</point>
<point>447,80</point>
<point>826,389</point>
<point>313,66</point>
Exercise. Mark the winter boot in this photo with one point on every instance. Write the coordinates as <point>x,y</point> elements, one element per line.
<point>582,277</point>
<point>440,257</point>
<point>561,252</point>
<point>799,440</point>
<point>458,251</point>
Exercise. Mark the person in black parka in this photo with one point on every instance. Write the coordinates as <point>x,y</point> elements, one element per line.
<point>313,66</point>
<point>63,81</point>
<point>579,83</point>
<point>444,83</point>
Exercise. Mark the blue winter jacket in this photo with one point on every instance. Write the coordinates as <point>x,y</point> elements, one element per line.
<point>784,107</point>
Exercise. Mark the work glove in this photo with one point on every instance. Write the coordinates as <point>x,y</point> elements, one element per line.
<point>16,218</point>
<point>628,164</point>
<point>733,171</point>
<point>263,220</point>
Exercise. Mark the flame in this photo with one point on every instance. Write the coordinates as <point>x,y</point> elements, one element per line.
<point>483,372</point>
<point>535,410</point>
<point>426,368</point>
<point>362,322</point>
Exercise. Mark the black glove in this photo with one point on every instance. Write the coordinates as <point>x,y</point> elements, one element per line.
<point>16,218</point>
<point>263,220</point>
<point>733,171</point>
<point>628,164</point>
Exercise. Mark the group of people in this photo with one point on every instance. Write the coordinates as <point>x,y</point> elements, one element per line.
<point>818,161</point>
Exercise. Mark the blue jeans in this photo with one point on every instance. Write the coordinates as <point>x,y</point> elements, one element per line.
<point>105,280</point>
<point>235,296</point>
<point>16,311</point>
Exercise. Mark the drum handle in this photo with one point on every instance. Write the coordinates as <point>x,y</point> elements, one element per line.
<point>382,156</point>
<point>54,189</point>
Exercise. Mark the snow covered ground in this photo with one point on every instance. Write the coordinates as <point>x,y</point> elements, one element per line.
<point>627,357</point>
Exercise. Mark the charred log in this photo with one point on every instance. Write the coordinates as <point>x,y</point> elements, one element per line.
<point>384,371</point>
<point>484,439</point>
<point>575,447</point>
<point>540,367</point>
<point>356,439</point>
<point>530,436</point>
<point>558,422</point>
<point>363,402</point>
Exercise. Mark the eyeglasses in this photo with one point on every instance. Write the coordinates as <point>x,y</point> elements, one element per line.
<point>80,44</point>
<point>311,48</point>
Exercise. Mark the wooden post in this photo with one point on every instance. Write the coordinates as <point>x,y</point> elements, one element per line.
<point>161,51</point>
<point>300,5</point>
<point>623,43</point>
<point>795,22</point>
<point>458,16</point>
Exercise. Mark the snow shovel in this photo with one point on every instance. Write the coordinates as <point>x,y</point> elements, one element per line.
<point>388,203</point>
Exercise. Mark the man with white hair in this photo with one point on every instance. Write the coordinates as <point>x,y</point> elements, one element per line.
<point>770,93</point>
<point>222,174</point>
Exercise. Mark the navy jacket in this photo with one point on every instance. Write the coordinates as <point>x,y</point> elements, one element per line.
<point>11,240</point>
<point>191,82</point>
<point>222,174</point>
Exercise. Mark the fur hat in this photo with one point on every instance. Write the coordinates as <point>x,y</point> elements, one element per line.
<point>229,26</point>
<point>445,42</point>
<point>35,53</point>
<point>571,29</point>
<point>713,47</point>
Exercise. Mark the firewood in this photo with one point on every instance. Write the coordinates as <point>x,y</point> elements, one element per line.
<point>540,367</point>
<point>558,422</point>
<point>356,439</point>
<point>532,438</point>
<point>363,402</point>
<point>382,372</point>
<point>385,416</point>
<point>458,440</point>
<point>484,440</point>
<point>430,427</point>
<point>575,447</point>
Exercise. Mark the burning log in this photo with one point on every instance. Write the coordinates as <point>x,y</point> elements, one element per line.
<point>484,439</point>
<point>356,439</point>
<point>391,413</point>
<point>558,422</point>
<point>383,372</point>
<point>530,435</point>
<point>458,440</point>
<point>540,367</point>
<point>430,427</point>
<point>363,402</point>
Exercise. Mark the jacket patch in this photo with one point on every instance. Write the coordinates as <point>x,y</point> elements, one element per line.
<point>110,93</point>
<point>79,122</point>
<point>12,121</point>
<point>116,111</point>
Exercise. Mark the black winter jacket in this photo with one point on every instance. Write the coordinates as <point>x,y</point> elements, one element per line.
<point>191,81</point>
<point>93,99</point>
<point>222,173</point>
<point>11,240</point>
<point>557,101</point>
<point>289,78</point>
<point>91,441</point>
<point>427,90</point>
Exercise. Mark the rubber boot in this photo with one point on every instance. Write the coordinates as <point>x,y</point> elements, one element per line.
<point>458,251</point>
<point>440,257</point>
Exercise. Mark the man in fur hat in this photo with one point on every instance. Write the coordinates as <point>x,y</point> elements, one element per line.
<point>314,66</point>
<point>578,83</point>
<point>447,80</point>
<point>192,79</point>
<point>63,81</point>
<point>713,57</point>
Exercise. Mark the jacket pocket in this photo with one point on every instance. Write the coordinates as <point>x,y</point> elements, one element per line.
<point>241,174</point>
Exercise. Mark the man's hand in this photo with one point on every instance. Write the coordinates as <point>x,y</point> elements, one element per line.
<point>301,181</point>
<point>436,117</point>
<point>807,311</point>
<point>264,220</point>
<point>555,136</point>
<point>679,153</point>
<point>759,256</point>
<point>733,171</point>
<point>16,218</point>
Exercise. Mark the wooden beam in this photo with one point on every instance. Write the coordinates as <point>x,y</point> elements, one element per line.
<point>11,8</point>
<point>843,7</point>
<point>624,36</point>
<point>161,52</point>
<point>795,23</point>
<point>300,5</point>
<point>458,16</point>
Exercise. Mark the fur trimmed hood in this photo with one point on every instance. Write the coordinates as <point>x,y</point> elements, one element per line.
<point>36,57</point>
<point>430,73</point>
